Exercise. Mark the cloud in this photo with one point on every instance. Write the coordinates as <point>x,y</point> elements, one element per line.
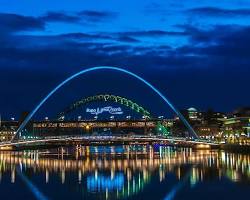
<point>205,46</point>
<point>220,12</point>
<point>14,23</point>
<point>60,17</point>
<point>86,16</point>
<point>153,33</point>
<point>127,39</point>
<point>208,53</point>
<point>10,23</point>
<point>98,37</point>
<point>209,65</point>
<point>97,16</point>
<point>88,36</point>
<point>216,42</point>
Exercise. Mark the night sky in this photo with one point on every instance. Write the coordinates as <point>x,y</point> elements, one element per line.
<point>196,52</point>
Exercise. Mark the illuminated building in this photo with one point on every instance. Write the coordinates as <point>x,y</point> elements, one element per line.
<point>192,113</point>
<point>7,130</point>
<point>236,129</point>
<point>207,130</point>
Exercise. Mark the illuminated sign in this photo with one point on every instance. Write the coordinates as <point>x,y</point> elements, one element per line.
<point>111,110</point>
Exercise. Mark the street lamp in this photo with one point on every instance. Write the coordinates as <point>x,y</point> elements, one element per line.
<point>96,117</point>
<point>112,117</point>
<point>79,118</point>
<point>87,127</point>
<point>128,117</point>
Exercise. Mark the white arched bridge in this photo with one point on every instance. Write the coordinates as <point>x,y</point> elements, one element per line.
<point>91,139</point>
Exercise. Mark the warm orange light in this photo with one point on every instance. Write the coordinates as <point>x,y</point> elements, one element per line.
<point>202,146</point>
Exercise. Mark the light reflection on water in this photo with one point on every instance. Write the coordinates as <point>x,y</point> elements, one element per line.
<point>121,172</point>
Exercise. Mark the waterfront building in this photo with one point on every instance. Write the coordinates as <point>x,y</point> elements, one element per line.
<point>236,129</point>
<point>7,130</point>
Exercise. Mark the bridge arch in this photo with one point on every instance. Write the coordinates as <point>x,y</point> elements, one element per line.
<point>177,112</point>
<point>105,97</point>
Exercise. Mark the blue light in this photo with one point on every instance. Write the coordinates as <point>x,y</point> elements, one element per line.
<point>27,119</point>
<point>102,182</point>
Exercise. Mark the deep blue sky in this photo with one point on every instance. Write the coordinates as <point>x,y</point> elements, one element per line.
<point>196,52</point>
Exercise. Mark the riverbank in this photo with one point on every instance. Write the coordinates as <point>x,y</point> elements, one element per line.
<point>236,148</point>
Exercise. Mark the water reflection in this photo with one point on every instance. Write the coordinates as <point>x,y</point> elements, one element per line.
<point>121,172</point>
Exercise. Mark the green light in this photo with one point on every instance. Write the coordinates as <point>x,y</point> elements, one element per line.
<point>162,130</point>
<point>106,97</point>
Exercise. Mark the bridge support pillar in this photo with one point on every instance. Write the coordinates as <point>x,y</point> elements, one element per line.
<point>145,128</point>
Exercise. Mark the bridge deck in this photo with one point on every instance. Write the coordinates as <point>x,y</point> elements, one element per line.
<point>90,139</point>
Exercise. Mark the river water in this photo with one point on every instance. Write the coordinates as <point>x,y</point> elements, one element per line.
<point>124,172</point>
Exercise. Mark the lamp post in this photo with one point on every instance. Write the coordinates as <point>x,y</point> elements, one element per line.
<point>160,117</point>
<point>128,117</point>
